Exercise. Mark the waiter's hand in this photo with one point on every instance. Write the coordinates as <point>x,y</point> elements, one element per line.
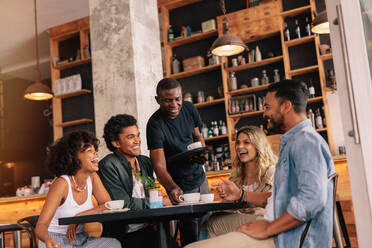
<point>174,195</point>
<point>200,158</point>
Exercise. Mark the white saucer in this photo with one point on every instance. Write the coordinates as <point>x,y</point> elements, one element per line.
<point>115,210</point>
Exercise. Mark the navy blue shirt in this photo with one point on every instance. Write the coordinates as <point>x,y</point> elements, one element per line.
<point>173,136</point>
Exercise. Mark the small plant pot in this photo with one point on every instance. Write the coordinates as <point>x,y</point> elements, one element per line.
<point>156,198</point>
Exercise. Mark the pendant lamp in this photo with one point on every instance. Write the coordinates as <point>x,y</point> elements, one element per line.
<point>227,44</point>
<point>320,23</point>
<point>37,91</point>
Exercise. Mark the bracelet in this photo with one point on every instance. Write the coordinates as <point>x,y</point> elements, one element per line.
<point>242,196</point>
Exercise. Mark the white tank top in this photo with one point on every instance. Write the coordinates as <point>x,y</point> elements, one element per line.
<point>70,208</point>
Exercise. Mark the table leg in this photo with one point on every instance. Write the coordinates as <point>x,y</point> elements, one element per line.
<point>163,234</point>
<point>17,239</point>
<point>2,241</point>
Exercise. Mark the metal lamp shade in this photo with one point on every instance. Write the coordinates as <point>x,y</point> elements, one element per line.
<point>228,45</point>
<point>320,23</point>
<point>38,91</point>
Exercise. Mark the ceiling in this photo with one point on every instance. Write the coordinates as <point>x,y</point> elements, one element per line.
<point>17,42</point>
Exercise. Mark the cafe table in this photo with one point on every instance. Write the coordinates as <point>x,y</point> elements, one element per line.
<point>159,216</point>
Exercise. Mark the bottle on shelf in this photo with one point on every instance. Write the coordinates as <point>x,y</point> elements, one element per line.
<point>210,130</point>
<point>311,89</point>
<point>308,27</point>
<point>223,128</point>
<point>331,80</point>
<point>297,29</point>
<point>246,105</point>
<point>237,107</point>
<point>311,117</point>
<point>215,129</point>
<point>260,103</point>
<point>204,131</point>
<point>287,35</point>
<point>176,65</point>
<point>170,33</point>
<point>233,81</point>
<point>324,119</point>
<point>318,119</point>
<point>276,76</point>
<point>264,78</point>
<point>258,54</point>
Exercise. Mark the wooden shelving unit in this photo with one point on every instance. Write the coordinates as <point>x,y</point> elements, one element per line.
<point>246,114</point>
<point>295,12</point>
<point>196,71</point>
<point>216,138</point>
<point>65,42</point>
<point>248,90</point>
<point>75,122</point>
<point>315,99</point>
<point>73,93</point>
<point>255,64</point>
<point>327,56</point>
<point>300,41</point>
<point>209,103</point>
<point>304,70</point>
<point>192,38</point>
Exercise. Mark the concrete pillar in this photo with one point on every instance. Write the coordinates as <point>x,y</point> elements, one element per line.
<point>126,59</point>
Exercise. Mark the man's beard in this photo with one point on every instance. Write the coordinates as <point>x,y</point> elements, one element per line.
<point>276,126</point>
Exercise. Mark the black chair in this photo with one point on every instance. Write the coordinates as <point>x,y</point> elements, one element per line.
<point>28,224</point>
<point>336,223</point>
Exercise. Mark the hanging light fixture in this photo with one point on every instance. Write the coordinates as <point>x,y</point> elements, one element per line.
<point>37,91</point>
<point>320,23</point>
<point>227,44</point>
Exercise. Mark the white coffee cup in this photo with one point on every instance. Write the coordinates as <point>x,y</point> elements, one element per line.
<point>194,145</point>
<point>190,197</point>
<point>206,198</point>
<point>114,205</point>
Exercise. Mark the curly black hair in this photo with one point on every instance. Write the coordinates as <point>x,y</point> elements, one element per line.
<point>62,155</point>
<point>113,128</point>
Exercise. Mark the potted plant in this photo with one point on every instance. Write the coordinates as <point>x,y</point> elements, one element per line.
<point>155,193</point>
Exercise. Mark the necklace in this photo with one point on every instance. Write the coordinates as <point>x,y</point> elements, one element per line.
<point>77,187</point>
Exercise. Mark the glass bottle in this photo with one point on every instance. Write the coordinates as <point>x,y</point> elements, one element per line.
<point>331,80</point>
<point>298,30</point>
<point>308,27</point>
<point>276,76</point>
<point>233,81</point>
<point>265,78</point>
<point>258,54</point>
<point>311,117</point>
<point>176,65</point>
<point>311,89</point>
<point>223,128</point>
<point>170,33</point>
<point>204,131</point>
<point>287,35</point>
<point>215,129</point>
<point>318,119</point>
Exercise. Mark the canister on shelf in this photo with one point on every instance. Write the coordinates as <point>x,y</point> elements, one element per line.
<point>233,81</point>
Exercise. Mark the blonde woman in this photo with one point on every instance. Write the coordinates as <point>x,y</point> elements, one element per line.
<point>253,170</point>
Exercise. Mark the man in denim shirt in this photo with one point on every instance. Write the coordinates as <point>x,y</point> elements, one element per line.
<point>301,189</point>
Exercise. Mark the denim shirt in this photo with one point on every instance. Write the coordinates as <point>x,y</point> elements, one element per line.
<point>302,189</point>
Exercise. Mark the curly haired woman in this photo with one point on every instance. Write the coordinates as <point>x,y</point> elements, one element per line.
<point>74,161</point>
<point>253,170</point>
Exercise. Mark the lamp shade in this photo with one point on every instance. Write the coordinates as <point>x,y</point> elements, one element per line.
<point>320,23</point>
<point>38,91</point>
<point>228,45</point>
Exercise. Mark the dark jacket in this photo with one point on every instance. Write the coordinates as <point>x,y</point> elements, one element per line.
<point>116,174</point>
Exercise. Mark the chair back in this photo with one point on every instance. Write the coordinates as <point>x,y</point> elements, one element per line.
<point>333,177</point>
<point>28,224</point>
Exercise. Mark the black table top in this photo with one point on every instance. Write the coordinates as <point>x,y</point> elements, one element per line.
<point>151,215</point>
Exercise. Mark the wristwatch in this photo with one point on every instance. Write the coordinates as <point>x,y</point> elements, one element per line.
<point>242,196</point>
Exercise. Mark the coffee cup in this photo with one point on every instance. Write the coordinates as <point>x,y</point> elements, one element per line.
<point>114,205</point>
<point>206,198</point>
<point>190,197</point>
<point>194,145</point>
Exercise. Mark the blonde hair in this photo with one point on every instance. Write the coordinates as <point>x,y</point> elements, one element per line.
<point>265,156</point>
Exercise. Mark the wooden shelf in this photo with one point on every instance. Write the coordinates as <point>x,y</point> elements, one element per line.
<point>248,90</point>
<point>209,103</point>
<point>73,93</point>
<point>321,130</point>
<point>299,41</point>
<point>216,138</point>
<point>297,11</point>
<point>196,71</point>
<point>315,99</point>
<point>192,38</point>
<point>304,70</point>
<point>246,114</point>
<point>255,64</point>
<point>75,122</point>
<point>73,64</point>
<point>326,56</point>
<point>218,173</point>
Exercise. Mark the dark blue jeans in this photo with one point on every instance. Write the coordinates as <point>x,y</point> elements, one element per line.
<point>190,227</point>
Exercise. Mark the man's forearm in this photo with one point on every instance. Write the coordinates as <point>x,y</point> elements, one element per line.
<point>166,180</point>
<point>283,223</point>
<point>258,199</point>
